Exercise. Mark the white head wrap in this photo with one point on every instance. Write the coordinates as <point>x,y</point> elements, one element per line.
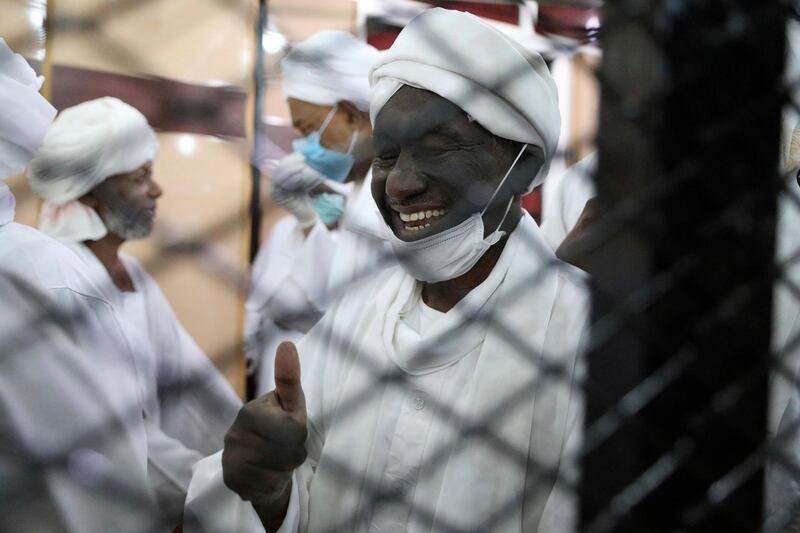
<point>456,55</point>
<point>26,114</point>
<point>328,67</point>
<point>87,144</point>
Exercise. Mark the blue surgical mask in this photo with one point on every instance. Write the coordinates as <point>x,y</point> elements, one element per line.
<point>330,163</point>
<point>329,207</point>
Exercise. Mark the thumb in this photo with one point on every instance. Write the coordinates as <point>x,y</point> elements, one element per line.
<point>287,380</point>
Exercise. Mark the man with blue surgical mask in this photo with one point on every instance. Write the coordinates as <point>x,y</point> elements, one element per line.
<point>332,239</point>
<point>442,395</point>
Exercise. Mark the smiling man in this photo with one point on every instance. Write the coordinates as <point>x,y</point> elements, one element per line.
<point>95,172</point>
<point>441,396</point>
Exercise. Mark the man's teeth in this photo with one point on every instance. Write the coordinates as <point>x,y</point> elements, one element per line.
<point>421,215</point>
<point>416,228</point>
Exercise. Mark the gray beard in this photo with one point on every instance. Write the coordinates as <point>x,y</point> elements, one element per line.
<point>129,226</point>
<point>119,217</point>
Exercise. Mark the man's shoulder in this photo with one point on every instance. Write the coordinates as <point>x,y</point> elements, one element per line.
<point>42,260</point>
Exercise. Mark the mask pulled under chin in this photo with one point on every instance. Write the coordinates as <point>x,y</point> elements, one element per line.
<point>445,255</point>
<point>453,252</point>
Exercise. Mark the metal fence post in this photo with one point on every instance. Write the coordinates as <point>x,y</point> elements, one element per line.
<point>689,136</point>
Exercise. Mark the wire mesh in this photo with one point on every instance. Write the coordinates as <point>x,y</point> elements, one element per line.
<point>681,269</point>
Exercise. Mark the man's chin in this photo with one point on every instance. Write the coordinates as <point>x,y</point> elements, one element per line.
<point>135,233</point>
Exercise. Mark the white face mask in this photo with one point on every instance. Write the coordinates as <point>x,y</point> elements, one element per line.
<point>453,252</point>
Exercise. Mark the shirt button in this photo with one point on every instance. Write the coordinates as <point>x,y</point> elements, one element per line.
<point>419,403</point>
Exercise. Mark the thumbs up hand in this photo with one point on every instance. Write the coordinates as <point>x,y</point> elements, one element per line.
<point>267,442</point>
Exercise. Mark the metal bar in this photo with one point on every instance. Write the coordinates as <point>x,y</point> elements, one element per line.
<point>260,84</point>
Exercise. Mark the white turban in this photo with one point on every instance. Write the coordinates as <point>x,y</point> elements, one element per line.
<point>87,144</point>
<point>328,67</point>
<point>494,79</point>
<point>25,115</point>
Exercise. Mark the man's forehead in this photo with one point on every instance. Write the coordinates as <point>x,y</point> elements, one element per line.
<point>411,113</point>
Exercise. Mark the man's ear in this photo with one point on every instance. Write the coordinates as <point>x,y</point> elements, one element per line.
<point>354,116</point>
<point>89,200</point>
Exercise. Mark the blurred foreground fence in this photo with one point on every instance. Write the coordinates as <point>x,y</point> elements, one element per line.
<point>682,271</point>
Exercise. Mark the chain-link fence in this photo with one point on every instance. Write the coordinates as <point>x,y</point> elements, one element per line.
<point>672,407</point>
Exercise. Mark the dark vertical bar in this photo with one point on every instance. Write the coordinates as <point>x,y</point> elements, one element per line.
<point>689,137</point>
<point>260,83</point>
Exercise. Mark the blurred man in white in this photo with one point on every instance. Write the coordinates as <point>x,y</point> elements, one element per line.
<point>94,170</point>
<point>564,198</point>
<point>331,241</point>
<point>425,403</point>
<point>783,471</point>
<point>73,450</point>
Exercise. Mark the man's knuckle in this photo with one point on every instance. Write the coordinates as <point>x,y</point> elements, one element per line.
<point>299,456</point>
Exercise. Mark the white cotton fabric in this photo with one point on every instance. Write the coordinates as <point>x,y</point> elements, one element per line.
<point>8,205</point>
<point>782,484</point>
<point>296,276</point>
<point>26,114</point>
<point>75,381</point>
<point>87,144</point>
<point>494,79</point>
<point>67,396</point>
<point>329,67</point>
<point>564,197</point>
<point>400,436</point>
<point>187,402</point>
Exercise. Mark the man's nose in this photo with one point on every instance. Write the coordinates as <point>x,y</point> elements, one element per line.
<point>155,190</point>
<point>405,181</point>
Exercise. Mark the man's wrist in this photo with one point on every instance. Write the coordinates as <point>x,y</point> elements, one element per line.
<point>273,513</point>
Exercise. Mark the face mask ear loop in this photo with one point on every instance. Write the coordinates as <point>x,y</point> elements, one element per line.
<point>502,181</point>
<point>328,119</point>
<point>353,141</point>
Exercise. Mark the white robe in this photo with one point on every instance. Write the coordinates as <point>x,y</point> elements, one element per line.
<point>783,483</point>
<point>66,395</point>
<point>564,197</point>
<point>412,434</point>
<point>295,276</point>
<point>188,403</point>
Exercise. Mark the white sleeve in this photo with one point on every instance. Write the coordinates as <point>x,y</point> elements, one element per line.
<point>783,470</point>
<point>211,507</point>
<point>169,470</point>
<point>290,285</point>
<point>198,405</point>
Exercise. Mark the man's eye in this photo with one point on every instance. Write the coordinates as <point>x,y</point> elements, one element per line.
<point>385,160</point>
<point>440,151</point>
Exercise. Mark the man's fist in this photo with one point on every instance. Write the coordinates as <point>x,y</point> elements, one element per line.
<point>267,441</point>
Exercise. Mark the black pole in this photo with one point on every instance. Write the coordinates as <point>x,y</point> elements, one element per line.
<point>260,83</point>
<point>677,374</point>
